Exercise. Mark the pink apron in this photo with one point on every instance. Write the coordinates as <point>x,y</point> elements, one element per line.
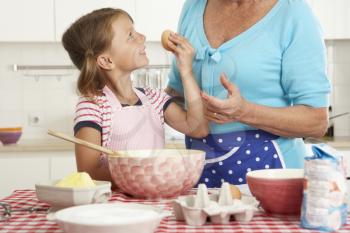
<point>134,127</point>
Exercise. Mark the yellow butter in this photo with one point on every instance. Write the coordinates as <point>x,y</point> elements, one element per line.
<point>76,180</point>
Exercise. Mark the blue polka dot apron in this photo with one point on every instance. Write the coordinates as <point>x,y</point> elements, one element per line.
<point>230,156</point>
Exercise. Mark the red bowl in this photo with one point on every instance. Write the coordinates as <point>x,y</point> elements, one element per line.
<point>279,191</point>
<point>10,137</point>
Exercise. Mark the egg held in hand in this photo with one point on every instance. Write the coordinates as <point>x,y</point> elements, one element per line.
<point>165,39</point>
<point>76,180</point>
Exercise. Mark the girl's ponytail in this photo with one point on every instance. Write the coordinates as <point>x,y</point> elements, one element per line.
<point>91,80</point>
<point>85,40</point>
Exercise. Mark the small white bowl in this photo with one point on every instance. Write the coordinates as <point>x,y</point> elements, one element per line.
<point>109,218</point>
<point>62,197</point>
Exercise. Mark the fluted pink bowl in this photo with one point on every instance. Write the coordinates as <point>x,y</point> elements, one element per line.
<point>156,173</point>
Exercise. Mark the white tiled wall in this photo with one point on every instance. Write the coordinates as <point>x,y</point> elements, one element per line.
<point>52,98</point>
<point>339,73</point>
<point>25,95</point>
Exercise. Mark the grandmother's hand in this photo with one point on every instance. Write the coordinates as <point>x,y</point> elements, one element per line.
<point>227,110</point>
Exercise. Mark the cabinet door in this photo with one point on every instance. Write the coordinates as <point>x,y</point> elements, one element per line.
<point>22,171</point>
<point>27,20</point>
<point>62,164</point>
<point>154,16</point>
<point>68,11</point>
<point>334,17</point>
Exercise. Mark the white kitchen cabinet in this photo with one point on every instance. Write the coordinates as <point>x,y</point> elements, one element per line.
<point>21,170</point>
<point>68,11</point>
<point>27,20</point>
<point>62,164</point>
<point>47,20</point>
<point>154,16</point>
<point>334,17</point>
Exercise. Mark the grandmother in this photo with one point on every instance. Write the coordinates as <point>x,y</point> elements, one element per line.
<point>261,65</point>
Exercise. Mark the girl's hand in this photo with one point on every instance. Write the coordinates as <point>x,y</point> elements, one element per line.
<point>224,111</point>
<point>183,51</point>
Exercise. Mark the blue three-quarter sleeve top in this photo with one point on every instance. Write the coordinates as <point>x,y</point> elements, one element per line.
<point>280,61</point>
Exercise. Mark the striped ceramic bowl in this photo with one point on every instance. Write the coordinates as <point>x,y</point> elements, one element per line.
<point>10,135</point>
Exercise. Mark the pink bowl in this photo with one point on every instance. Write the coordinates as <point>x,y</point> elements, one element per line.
<point>156,173</point>
<point>280,191</point>
<point>10,135</point>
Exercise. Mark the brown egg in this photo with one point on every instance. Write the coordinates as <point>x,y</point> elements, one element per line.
<point>236,193</point>
<point>165,39</point>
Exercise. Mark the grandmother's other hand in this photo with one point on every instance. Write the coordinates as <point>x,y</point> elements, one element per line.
<point>227,110</point>
<point>183,51</point>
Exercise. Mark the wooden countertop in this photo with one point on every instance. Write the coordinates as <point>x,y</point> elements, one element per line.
<point>60,145</point>
<point>341,143</point>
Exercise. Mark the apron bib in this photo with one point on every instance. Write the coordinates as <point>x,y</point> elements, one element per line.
<point>230,156</point>
<point>134,127</point>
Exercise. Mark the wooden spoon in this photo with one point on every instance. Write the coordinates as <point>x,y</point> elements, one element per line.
<point>82,142</point>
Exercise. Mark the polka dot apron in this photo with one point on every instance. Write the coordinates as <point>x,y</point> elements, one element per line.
<point>230,156</point>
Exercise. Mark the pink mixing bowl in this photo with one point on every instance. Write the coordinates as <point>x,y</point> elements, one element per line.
<point>279,191</point>
<point>156,173</point>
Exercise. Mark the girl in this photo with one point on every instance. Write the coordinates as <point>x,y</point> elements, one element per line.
<point>105,47</point>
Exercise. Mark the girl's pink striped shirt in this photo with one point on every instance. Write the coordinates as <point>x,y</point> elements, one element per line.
<point>99,110</point>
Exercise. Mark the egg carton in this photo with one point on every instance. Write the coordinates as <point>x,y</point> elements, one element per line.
<point>218,208</point>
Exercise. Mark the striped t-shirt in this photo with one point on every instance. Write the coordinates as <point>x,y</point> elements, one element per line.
<point>97,113</point>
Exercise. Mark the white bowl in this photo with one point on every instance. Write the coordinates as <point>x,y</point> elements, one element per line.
<point>62,197</point>
<point>109,218</point>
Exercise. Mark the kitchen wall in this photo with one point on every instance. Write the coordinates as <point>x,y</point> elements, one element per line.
<point>39,100</point>
<point>339,74</point>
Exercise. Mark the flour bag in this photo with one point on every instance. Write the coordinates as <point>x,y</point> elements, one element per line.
<point>324,205</point>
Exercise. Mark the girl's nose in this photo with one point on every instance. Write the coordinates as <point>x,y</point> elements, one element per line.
<point>141,37</point>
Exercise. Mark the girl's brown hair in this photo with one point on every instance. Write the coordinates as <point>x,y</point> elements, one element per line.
<point>84,41</point>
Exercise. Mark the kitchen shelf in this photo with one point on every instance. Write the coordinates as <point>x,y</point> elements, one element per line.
<point>42,67</point>
<point>17,67</point>
<point>59,71</point>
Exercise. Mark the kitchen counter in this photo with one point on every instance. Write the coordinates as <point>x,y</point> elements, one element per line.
<point>38,145</point>
<point>341,143</point>
<point>60,145</point>
<point>338,142</point>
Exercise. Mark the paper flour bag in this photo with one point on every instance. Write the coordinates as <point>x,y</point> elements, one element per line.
<point>324,202</point>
